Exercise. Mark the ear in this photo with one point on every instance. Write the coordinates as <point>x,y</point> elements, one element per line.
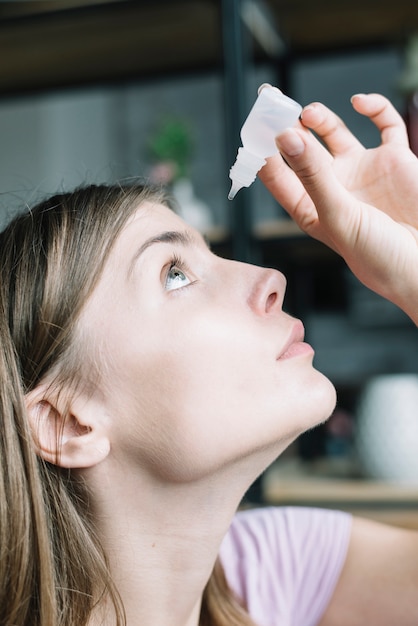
<point>67,434</point>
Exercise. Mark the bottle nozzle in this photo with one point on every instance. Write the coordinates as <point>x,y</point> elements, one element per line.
<point>235,187</point>
<point>244,170</point>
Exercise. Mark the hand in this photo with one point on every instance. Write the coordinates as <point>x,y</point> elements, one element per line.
<point>363,203</point>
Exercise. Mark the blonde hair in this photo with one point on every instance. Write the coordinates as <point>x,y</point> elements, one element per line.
<point>53,571</point>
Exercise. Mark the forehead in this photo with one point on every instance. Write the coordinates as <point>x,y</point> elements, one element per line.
<point>151,217</point>
<point>150,223</point>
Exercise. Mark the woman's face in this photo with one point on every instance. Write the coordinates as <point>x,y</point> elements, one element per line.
<point>199,364</point>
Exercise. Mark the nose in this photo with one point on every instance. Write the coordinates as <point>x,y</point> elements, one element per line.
<point>267,291</point>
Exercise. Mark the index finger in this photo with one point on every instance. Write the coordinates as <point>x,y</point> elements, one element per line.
<point>384,115</point>
<point>282,183</point>
<point>330,128</point>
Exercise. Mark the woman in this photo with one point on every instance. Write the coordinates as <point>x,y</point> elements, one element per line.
<point>145,383</point>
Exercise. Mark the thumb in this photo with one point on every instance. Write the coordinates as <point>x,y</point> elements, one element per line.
<point>338,212</point>
<point>309,160</point>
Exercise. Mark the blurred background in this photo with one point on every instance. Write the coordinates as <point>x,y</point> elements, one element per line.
<point>99,91</point>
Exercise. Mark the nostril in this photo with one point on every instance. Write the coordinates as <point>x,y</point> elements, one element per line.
<point>267,290</point>
<point>271,301</point>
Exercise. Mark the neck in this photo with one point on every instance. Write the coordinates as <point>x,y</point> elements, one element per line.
<point>162,541</point>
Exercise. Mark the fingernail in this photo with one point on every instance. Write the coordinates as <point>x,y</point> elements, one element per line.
<point>357,95</point>
<point>290,143</point>
<point>309,107</point>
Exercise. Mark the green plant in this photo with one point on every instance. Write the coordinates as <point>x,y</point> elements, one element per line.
<point>173,143</point>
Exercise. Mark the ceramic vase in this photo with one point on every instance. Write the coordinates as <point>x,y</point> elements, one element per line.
<point>387,428</point>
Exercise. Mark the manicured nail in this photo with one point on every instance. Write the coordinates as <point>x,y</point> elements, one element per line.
<point>357,95</point>
<point>290,143</point>
<point>309,107</point>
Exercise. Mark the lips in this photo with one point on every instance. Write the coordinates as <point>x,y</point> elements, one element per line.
<point>294,344</point>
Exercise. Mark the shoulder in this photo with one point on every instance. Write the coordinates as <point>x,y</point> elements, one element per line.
<point>378,583</point>
<point>275,532</point>
<point>285,557</point>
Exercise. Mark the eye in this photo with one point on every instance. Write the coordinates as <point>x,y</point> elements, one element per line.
<point>176,277</point>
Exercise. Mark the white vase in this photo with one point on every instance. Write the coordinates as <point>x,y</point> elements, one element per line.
<point>387,428</point>
<point>192,209</point>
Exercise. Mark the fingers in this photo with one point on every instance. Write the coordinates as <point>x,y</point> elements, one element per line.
<point>332,130</point>
<point>303,156</point>
<point>305,186</point>
<point>384,115</point>
<point>288,190</point>
<point>284,185</point>
<point>335,208</point>
<point>329,127</point>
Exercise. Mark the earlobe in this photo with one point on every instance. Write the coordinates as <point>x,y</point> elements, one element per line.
<point>65,434</point>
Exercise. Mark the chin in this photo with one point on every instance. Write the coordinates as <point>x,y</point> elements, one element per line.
<point>324,398</point>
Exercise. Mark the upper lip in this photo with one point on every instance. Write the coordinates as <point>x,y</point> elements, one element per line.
<point>296,334</point>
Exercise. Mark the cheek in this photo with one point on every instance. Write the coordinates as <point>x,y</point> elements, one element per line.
<point>214,410</point>
<point>179,398</point>
<point>190,398</point>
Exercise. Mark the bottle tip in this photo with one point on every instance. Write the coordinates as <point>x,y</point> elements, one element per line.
<point>235,187</point>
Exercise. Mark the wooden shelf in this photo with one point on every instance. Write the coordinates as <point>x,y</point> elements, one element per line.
<point>309,27</point>
<point>336,491</point>
<point>393,503</point>
<point>71,43</point>
<point>57,43</point>
<point>277,229</point>
<point>272,229</point>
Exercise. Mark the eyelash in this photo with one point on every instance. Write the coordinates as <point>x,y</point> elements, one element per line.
<point>179,263</point>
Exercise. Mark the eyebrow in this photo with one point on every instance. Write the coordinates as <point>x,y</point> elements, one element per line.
<point>183,238</point>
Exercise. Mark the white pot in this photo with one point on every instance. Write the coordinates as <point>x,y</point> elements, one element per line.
<point>387,428</point>
<point>192,209</point>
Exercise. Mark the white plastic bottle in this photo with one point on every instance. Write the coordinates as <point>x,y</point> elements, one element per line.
<point>271,114</point>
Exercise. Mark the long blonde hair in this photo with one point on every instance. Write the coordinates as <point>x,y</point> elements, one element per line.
<point>53,571</point>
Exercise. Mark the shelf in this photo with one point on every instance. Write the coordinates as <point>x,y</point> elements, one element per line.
<point>57,43</point>
<point>277,229</point>
<point>338,492</point>
<point>327,25</point>
<point>263,231</point>
<point>392,503</point>
<point>73,43</point>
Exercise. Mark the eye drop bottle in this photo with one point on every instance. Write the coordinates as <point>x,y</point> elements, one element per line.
<point>271,114</point>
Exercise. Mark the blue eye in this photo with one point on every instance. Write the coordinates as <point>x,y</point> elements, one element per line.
<point>175,278</point>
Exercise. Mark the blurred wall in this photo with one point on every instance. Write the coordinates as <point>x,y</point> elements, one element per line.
<point>59,140</point>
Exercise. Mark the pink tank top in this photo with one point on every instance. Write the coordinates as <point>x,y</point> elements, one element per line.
<point>285,562</point>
